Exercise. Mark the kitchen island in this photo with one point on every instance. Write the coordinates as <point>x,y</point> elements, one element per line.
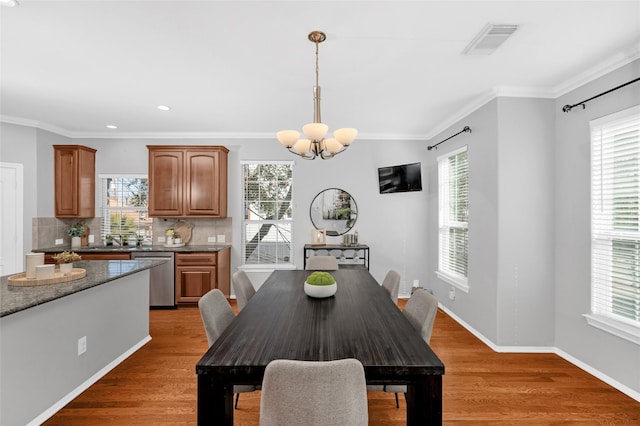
<point>59,339</point>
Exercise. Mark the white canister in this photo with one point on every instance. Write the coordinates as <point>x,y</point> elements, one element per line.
<point>32,260</point>
<point>45,271</point>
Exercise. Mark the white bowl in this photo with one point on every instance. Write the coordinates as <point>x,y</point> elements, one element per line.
<point>320,291</point>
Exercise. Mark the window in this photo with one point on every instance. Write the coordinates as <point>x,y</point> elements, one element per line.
<point>268,215</point>
<point>453,202</point>
<point>615,218</point>
<point>124,206</point>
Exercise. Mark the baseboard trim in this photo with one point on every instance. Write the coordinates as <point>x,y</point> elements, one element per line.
<point>544,349</point>
<point>48,413</point>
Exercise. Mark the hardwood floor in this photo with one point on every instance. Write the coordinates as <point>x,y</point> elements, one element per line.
<point>157,385</point>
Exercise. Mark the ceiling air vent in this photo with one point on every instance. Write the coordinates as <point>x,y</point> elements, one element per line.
<point>489,39</point>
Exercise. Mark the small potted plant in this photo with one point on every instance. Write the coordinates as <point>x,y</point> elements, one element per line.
<point>171,234</point>
<point>76,231</point>
<point>108,239</point>
<point>320,284</point>
<point>65,260</point>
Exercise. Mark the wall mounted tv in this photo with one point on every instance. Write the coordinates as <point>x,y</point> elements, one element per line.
<point>403,178</point>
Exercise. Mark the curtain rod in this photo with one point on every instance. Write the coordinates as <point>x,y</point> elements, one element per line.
<point>466,129</point>
<point>568,108</point>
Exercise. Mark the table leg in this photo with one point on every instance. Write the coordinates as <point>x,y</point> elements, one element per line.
<point>215,402</point>
<point>424,402</point>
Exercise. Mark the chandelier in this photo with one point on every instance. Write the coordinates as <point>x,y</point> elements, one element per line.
<point>315,144</point>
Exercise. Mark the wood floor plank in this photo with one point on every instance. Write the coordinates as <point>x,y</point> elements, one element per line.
<point>157,385</point>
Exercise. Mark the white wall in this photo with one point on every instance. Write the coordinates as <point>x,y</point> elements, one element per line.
<point>612,355</point>
<point>393,225</point>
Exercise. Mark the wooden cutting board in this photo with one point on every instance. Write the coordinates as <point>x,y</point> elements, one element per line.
<point>183,229</point>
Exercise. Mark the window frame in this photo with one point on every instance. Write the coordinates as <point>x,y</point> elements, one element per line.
<point>445,224</point>
<point>265,267</point>
<point>104,209</point>
<point>603,233</point>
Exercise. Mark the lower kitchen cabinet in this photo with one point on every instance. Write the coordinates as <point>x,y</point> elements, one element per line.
<point>199,272</point>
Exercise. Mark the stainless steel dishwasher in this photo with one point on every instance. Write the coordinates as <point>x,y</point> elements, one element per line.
<point>162,294</point>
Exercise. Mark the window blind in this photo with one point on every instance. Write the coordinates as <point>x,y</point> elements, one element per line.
<point>453,170</point>
<point>615,216</point>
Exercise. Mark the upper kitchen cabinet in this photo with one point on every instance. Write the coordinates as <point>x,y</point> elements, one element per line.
<point>187,181</point>
<point>74,181</point>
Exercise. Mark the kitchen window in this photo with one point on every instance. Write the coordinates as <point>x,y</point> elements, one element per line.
<point>125,200</point>
<point>615,224</point>
<point>267,220</point>
<point>453,203</point>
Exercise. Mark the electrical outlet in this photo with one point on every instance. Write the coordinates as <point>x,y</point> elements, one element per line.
<point>92,239</point>
<point>59,241</point>
<point>416,283</point>
<point>82,345</point>
<point>452,293</point>
<point>221,238</point>
<point>211,239</point>
<point>161,239</point>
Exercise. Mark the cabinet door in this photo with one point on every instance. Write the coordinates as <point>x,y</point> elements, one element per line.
<point>206,183</point>
<point>66,182</point>
<point>193,282</point>
<point>74,181</point>
<point>165,182</point>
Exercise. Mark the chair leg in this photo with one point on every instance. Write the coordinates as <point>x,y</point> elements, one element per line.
<point>397,404</point>
<point>236,404</point>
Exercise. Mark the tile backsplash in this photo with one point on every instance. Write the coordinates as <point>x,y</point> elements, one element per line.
<point>46,230</point>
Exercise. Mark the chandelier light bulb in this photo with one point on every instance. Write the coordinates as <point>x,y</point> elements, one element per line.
<point>302,146</point>
<point>288,138</point>
<point>346,135</point>
<point>315,131</point>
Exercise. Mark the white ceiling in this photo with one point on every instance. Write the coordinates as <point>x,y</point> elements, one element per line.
<point>246,69</point>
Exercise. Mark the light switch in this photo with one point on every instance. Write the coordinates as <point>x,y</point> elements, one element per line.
<point>211,239</point>
<point>221,239</point>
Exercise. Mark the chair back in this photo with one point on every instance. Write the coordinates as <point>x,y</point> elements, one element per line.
<point>322,263</point>
<point>314,393</point>
<point>391,284</point>
<point>421,311</point>
<point>243,288</point>
<point>216,314</point>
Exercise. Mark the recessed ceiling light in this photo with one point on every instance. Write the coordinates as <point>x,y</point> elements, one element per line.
<point>111,126</point>
<point>163,108</point>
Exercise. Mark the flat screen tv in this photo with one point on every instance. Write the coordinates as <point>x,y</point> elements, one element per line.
<point>402,178</point>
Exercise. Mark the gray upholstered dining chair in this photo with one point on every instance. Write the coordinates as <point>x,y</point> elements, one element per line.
<point>216,315</point>
<point>322,263</point>
<point>243,288</point>
<point>391,284</point>
<point>314,393</point>
<point>421,311</point>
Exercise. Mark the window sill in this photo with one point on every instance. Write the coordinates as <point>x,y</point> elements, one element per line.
<point>617,328</point>
<point>266,268</point>
<point>459,283</point>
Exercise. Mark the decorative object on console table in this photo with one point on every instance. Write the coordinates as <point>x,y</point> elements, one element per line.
<point>318,237</point>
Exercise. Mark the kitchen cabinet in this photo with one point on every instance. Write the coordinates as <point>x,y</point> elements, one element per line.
<point>199,272</point>
<point>74,181</point>
<point>187,181</point>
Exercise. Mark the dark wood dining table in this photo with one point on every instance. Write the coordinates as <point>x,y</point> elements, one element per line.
<point>281,322</point>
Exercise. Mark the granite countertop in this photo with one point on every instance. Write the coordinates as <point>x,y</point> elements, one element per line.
<point>127,249</point>
<point>16,298</point>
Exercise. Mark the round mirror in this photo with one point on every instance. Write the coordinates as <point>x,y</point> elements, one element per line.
<point>334,210</point>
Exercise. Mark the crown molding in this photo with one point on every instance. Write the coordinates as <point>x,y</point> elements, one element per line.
<point>35,124</point>
<point>611,64</point>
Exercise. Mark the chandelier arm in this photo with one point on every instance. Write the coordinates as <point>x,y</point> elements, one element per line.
<point>305,156</point>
